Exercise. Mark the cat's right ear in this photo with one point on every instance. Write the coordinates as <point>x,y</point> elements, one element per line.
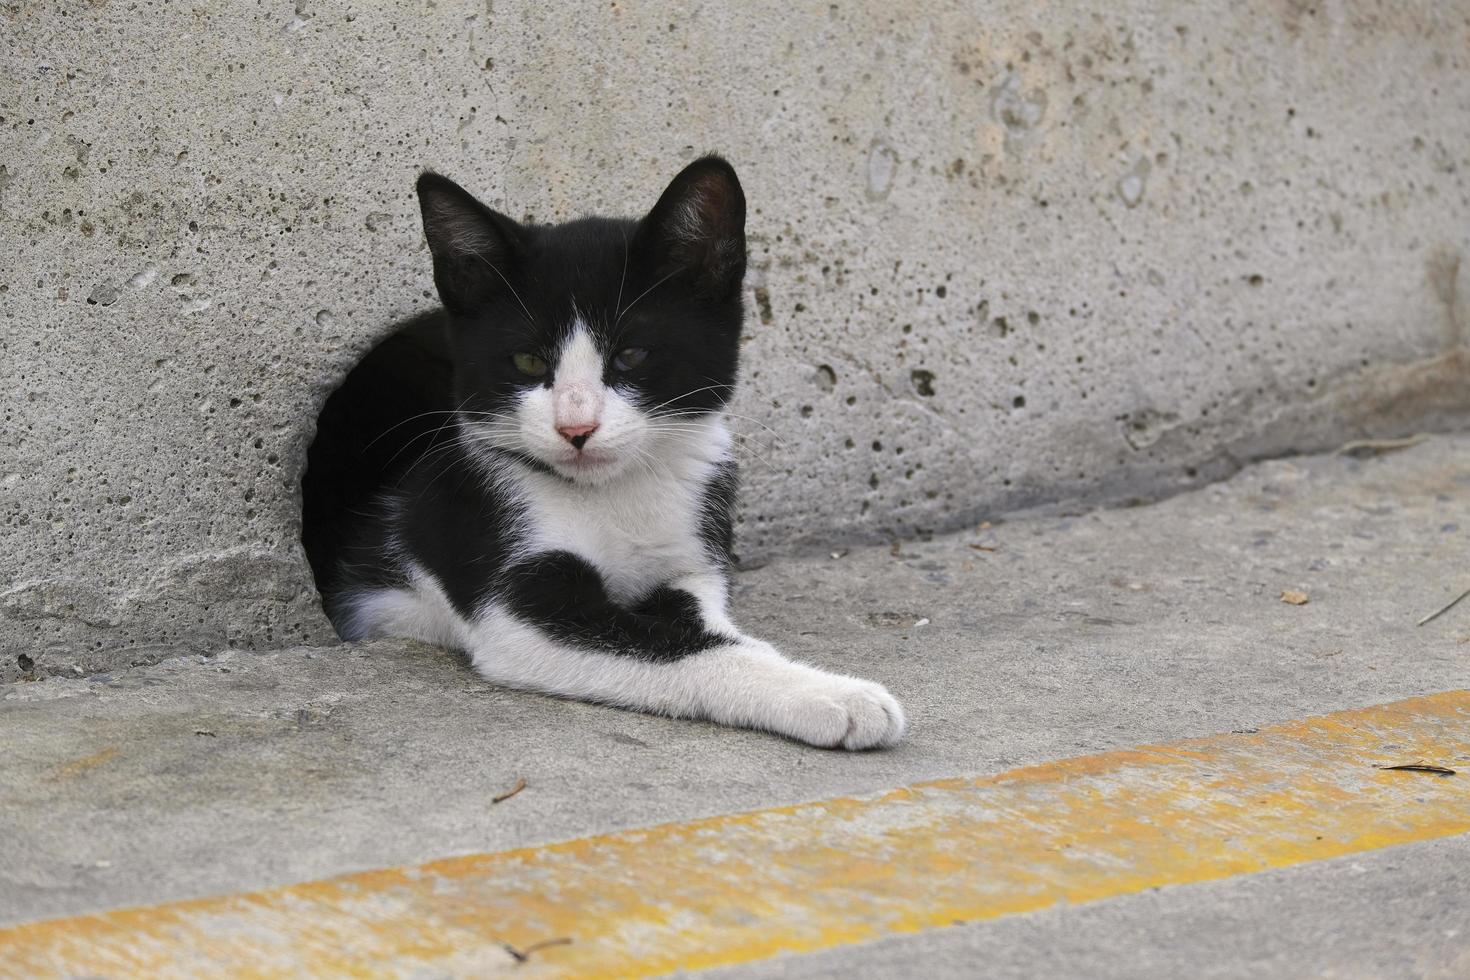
<point>698,226</point>
<point>474,248</point>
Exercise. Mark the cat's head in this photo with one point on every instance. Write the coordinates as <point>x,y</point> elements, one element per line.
<point>596,346</point>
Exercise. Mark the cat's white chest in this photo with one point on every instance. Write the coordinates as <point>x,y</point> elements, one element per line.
<point>638,533</point>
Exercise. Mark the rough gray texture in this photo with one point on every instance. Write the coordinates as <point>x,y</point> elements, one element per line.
<point>1003,255</point>
<point>1075,635</point>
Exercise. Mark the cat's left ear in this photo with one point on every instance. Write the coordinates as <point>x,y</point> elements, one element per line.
<point>698,225</point>
<point>474,247</point>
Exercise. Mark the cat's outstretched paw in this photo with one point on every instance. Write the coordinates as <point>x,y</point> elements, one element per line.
<point>751,685</point>
<point>846,712</point>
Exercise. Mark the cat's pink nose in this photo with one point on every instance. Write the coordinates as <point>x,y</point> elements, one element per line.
<point>577,435</point>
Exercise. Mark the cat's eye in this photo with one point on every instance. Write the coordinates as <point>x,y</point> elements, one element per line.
<point>629,357</point>
<point>529,364</point>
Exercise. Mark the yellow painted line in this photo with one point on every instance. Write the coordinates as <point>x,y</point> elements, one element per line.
<point>78,766</point>
<point>793,879</point>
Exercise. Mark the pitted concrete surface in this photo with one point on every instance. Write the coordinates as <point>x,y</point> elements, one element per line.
<point>1029,640</point>
<point>1002,254</point>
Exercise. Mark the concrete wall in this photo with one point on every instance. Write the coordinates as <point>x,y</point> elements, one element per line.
<point>1003,253</point>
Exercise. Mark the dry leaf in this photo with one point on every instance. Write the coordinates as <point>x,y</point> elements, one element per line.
<point>1293,597</point>
<point>521,955</point>
<point>1446,608</point>
<point>1370,447</point>
<point>520,785</point>
<point>1433,770</point>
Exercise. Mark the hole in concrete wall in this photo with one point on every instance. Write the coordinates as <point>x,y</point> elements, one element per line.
<point>387,412</point>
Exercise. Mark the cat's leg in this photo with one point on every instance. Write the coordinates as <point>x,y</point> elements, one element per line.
<point>555,629</point>
<point>418,612</point>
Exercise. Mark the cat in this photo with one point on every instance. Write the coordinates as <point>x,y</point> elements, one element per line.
<point>544,477</point>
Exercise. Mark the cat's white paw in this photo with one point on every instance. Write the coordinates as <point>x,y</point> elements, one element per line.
<point>834,711</point>
<point>751,685</point>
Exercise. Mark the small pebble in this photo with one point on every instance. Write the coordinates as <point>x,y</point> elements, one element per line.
<point>103,296</point>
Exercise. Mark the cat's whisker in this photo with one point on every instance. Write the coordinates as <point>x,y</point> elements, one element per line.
<point>700,411</point>
<point>744,448</point>
<point>492,427</point>
<point>408,443</point>
<point>618,304</point>
<point>413,418</point>
<point>739,446</point>
<point>432,436</point>
<point>489,421</point>
<point>650,463</point>
<point>769,433</point>
<point>689,394</point>
<point>645,293</point>
<point>429,454</point>
<point>762,460</point>
<point>524,309</point>
<point>435,478</point>
<point>455,441</point>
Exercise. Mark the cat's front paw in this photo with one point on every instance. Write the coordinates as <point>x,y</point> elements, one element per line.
<point>845,712</point>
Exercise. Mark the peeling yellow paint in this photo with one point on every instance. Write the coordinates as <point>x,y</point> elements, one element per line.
<point>743,887</point>
<point>87,762</point>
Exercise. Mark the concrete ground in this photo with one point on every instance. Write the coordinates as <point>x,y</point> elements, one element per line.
<point>1030,640</point>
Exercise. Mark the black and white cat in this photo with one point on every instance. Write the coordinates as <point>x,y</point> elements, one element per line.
<point>558,504</point>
